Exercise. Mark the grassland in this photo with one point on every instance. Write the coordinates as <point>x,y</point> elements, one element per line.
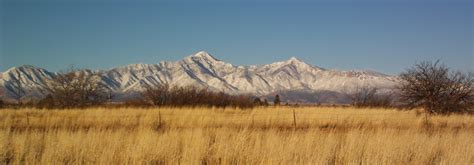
<point>319,135</point>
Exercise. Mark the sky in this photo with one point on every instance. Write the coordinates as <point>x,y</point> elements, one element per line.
<point>386,35</point>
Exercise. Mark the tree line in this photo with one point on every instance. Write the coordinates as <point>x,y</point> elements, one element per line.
<point>190,96</point>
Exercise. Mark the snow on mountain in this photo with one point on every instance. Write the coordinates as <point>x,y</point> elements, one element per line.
<point>204,70</point>
<point>32,81</point>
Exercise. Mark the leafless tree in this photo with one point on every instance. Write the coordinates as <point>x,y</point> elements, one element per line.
<point>109,95</point>
<point>277,100</point>
<point>366,96</point>
<point>156,94</point>
<point>76,89</point>
<point>2,94</point>
<point>257,101</point>
<point>362,96</point>
<point>164,95</point>
<point>434,87</point>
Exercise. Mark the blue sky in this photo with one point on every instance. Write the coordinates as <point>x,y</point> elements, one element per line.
<point>385,36</point>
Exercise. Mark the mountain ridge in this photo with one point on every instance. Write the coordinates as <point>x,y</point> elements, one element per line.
<point>204,70</point>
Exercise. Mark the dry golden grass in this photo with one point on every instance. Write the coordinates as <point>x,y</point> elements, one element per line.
<point>229,136</point>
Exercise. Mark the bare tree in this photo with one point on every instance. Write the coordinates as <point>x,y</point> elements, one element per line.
<point>76,89</point>
<point>164,95</point>
<point>277,100</point>
<point>265,102</point>
<point>17,88</point>
<point>156,94</point>
<point>109,95</point>
<point>362,96</point>
<point>2,94</point>
<point>257,101</point>
<point>434,87</point>
<point>366,96</point>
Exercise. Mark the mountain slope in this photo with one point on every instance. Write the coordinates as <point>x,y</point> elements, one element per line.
<point>203,70</point>
<point>33,80</point>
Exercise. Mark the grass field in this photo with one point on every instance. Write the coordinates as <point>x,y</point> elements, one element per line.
<point>319,135</point>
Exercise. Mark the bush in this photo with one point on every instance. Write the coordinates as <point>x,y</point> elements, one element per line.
<point>435,88</point>
<point>74,89</point>
<point>370,97</point>
<point>164,95</point>
<point>277,100</point>
<point>46,102</point>
<point>1,103</point>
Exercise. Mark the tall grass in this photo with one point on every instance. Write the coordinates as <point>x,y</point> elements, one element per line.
<point>232,136</point>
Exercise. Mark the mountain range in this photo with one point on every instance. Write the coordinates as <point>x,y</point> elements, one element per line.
<point>293,79</point>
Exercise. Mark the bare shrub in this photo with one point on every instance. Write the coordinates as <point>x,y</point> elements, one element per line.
<point>75,89</point>
<point>265,102</point>
<point>156,95</point>
<point>164,95</point>
<point>438,90</point>
<point>259,102</point>
<point>367,96</point>
<point>2,94</point>
<point>277,100</point>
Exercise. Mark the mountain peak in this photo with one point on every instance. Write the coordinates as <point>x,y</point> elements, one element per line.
<point>294,59</point>
<point>204,55</point>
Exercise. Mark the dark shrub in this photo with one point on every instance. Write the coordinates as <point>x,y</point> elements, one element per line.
<point>75,89</point>
<point>2,104</point>
<point>435,88</point>
<point>370,97</point>
<point>164,95</point>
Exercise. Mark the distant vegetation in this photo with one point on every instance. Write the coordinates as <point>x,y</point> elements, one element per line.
<point>367,96</point>
<point>164,95</point>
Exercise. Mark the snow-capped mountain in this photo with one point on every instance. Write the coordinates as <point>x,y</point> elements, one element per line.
<point>203,70</point>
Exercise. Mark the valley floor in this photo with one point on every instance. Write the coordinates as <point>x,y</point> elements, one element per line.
<point>323,135</point>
